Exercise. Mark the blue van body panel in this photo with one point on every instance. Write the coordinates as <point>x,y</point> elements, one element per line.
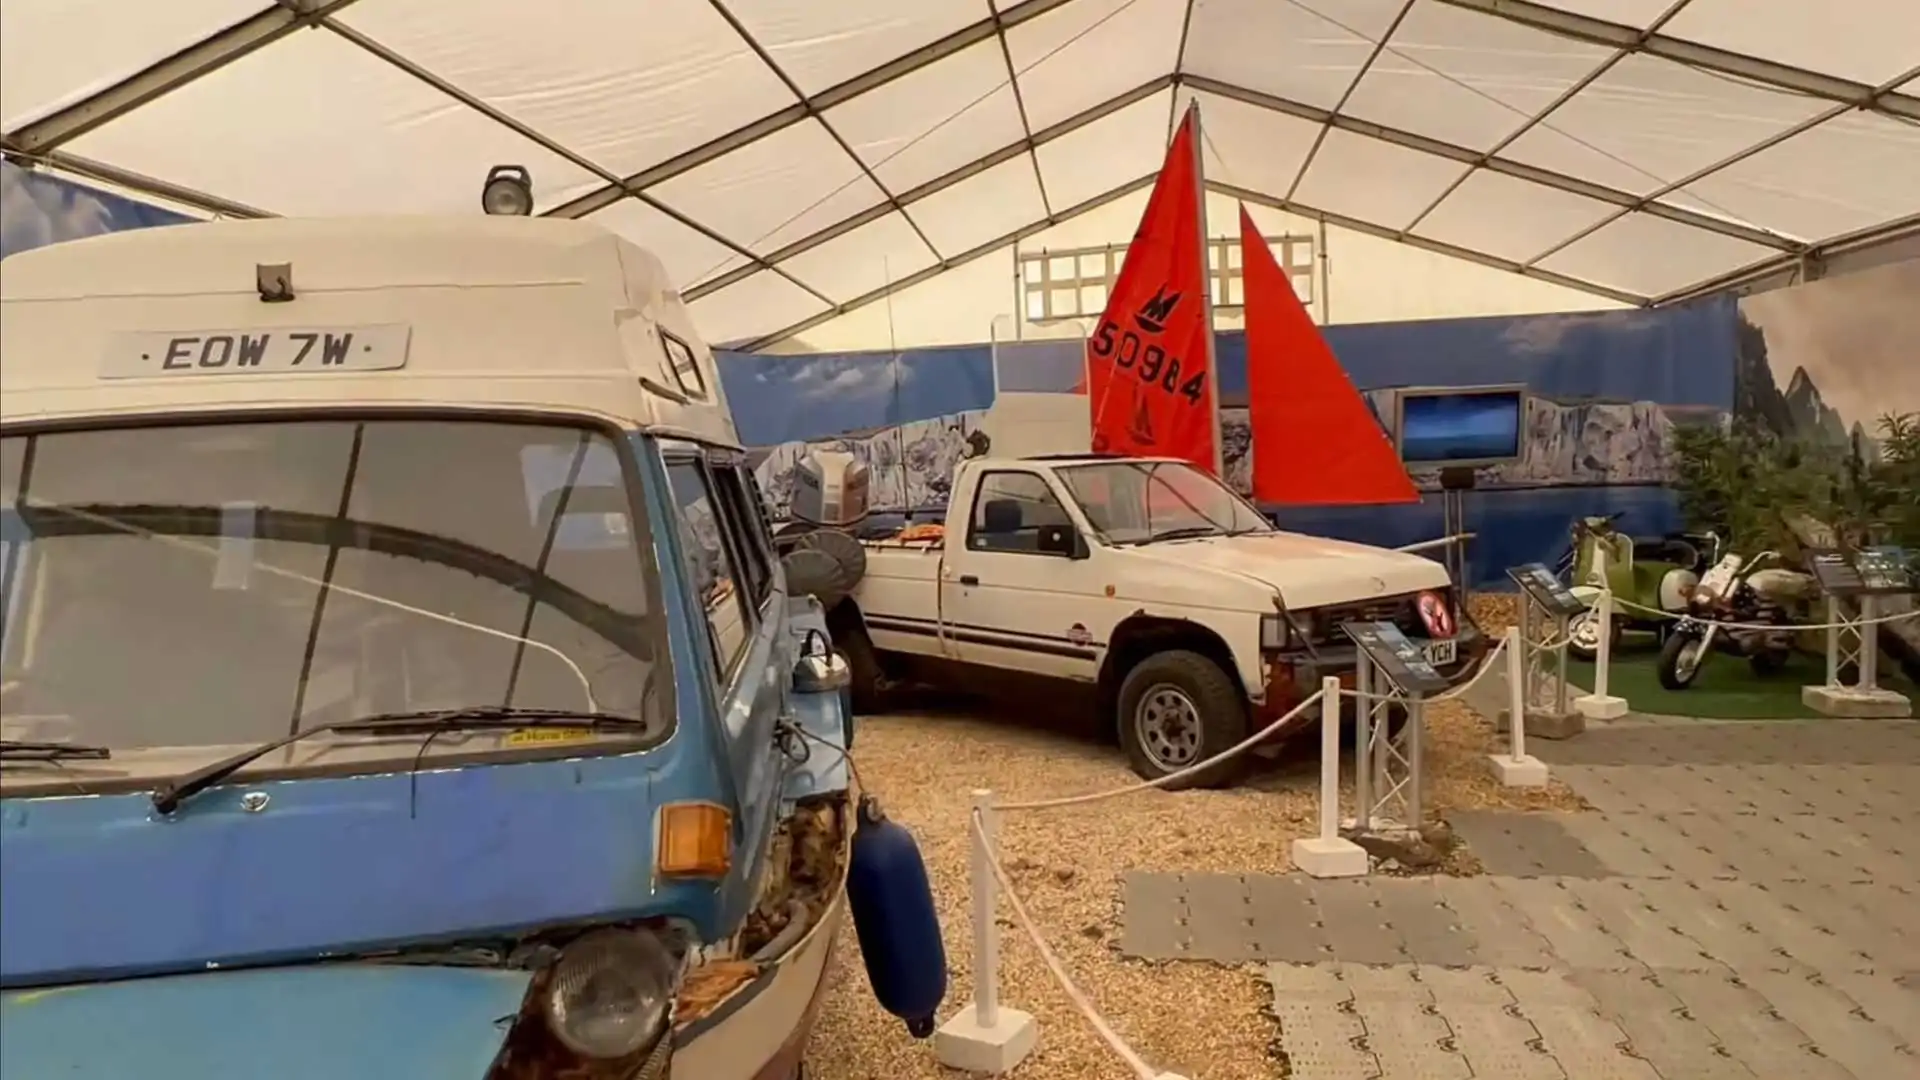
<point>364,1021</point>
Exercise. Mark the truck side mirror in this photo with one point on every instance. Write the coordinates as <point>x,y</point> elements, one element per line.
<point>1061,540</point>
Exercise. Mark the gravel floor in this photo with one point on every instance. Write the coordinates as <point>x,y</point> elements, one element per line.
<point>1066,864</point>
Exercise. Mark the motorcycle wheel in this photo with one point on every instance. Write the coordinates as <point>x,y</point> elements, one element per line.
<point>1680,661</point>
<point>1583,636</point>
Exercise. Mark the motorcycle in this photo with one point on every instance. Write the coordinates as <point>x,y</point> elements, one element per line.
<point>1770,604</point>
<point>1652,576</point>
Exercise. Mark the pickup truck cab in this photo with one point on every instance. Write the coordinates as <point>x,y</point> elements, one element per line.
<point>1197,621</point>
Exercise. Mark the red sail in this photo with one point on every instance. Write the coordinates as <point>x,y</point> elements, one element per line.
<point>1315,441</point>
<point>1150,381</point>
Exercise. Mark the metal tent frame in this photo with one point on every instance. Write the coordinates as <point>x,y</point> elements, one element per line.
<point>1409,42</point>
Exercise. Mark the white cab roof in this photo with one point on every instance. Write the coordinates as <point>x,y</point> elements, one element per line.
<point>527,314</point>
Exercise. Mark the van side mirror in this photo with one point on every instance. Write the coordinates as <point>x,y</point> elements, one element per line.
<point>1062,540</point>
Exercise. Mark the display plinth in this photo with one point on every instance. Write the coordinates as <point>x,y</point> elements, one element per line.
<point>1335,858</point>
<point>1853,703</point>
<point>964,1043</point>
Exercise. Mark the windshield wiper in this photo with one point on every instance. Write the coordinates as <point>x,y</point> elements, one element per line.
<point>25,750</point>
<point>168,797</point>
<point>1185,532</point>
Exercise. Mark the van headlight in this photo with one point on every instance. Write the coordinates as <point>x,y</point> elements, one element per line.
<point>610,994</point>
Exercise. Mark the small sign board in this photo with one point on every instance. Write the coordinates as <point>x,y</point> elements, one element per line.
<point>1545,589</point>
<point>279,350</point>
<point>1397,657</point>
<point>1876,571</point>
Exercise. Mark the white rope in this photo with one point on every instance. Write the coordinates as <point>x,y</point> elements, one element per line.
<point>1875,621</point>
<point>1163,781</point>
<point>1047,956</point>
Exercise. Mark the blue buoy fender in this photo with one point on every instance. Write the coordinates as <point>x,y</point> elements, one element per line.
<point>894,917</point>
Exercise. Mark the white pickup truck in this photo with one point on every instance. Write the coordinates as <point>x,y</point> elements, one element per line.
<point>1196,620</point>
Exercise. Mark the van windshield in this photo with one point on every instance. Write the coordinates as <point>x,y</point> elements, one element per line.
<point>171,592</point>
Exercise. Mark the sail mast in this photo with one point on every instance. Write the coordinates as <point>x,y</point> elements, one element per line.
<point>1206,286</point>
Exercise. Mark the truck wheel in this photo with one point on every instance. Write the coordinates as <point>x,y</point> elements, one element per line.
<point>870,682</point>
<point>1177,709</point>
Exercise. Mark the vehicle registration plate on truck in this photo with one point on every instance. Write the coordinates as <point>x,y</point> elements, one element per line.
<point>1440,652</point>
<point>144,354</point>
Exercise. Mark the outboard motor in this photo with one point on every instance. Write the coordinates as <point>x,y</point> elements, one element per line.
<point>830,489</point>
<point>894,916</point>
<point>819,552</point>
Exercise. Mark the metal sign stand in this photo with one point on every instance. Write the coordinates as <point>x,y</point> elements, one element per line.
<point>1546,610</point>
<point>1391,672</point>
<point>1854,639</point>
<point>1386,767</point>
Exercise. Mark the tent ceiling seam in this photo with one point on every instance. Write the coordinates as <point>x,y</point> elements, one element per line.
<point>525,131</point>
<point>942,182</point>
<point>840,93</point>
<point>833,133</point>
<point>1179,68</point>
<point>1860,243</point>
<point>1320,137</point>
<point>164,76</point>
<point>1540,117</point>
<point>1438,247</point>
<point>977,252</point>
<point>1694,54</point>
<point>1507,166</point>
<point>1020,103</point>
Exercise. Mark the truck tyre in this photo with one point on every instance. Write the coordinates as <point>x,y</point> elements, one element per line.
<point>1177,708</point>
<point>870,682</point>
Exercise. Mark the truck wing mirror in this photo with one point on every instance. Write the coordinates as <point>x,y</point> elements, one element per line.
<point>1062,540</point>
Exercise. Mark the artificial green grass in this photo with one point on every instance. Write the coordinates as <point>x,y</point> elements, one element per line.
<point>1725,689</point>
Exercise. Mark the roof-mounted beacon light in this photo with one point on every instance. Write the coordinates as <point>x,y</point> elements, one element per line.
<point>508,191</point>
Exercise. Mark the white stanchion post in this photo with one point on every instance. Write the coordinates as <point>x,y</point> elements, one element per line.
<point>1329,854</point>
<point>985,1036</point>
<point>1601,705</point>
<point>1516,768</point>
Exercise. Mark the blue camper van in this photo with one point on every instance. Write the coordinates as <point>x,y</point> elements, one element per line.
<point>399,678</point>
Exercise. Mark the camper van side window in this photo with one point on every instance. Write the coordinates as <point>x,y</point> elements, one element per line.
<point>684,365</point>
<point>710,569</point>
<point>749,531</point>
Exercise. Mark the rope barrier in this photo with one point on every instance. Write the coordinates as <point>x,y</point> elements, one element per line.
<point>1025,919</point>
<point>1674,616</point>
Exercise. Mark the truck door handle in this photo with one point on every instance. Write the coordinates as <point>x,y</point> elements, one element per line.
<point>969,579</point>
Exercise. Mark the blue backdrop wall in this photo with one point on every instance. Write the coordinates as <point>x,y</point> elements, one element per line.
<point>1608,390</point>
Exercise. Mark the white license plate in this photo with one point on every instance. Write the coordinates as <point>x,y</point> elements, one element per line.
<point>275,351</point>
<point>1440,652</point>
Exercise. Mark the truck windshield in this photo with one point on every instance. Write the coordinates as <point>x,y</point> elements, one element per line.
<point>1138,502</point>
<point>173,591</point>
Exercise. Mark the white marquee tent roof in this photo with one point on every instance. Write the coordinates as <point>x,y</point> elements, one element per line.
<point>803,156</point>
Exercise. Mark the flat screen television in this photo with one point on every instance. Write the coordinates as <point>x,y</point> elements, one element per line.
<point>1460,425</point>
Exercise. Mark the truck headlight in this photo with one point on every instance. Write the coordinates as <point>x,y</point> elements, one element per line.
<point>609,994</point>
<point>1276,634</point>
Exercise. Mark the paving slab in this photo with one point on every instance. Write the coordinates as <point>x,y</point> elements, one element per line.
<point>1659,1028</point>
<point>1325,1042</point>
<point>1502,935</point>
<point>1512,844</point>
<point>1837,1027</point>
<point>1576,938</point>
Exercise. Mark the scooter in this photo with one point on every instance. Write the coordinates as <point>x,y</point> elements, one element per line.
<point>1646,574</point>
<point>1770,604</point>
